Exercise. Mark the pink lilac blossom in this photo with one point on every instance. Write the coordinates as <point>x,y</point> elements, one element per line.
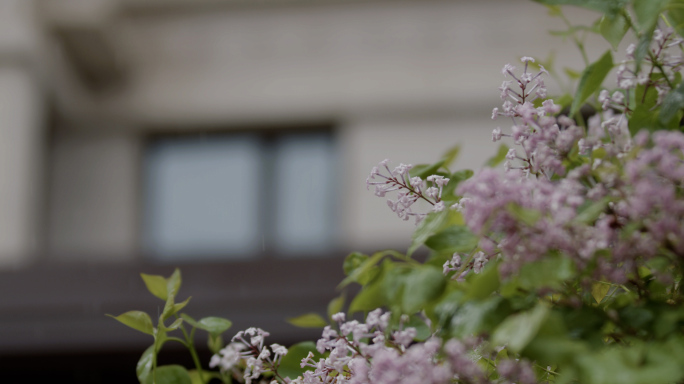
<point>663,63</point>
<point>248,346</point>
<point>375,355</point>
<point>647,193</point>
<point>536,130</point>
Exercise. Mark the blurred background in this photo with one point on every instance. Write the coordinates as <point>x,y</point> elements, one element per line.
<point>231,138</point>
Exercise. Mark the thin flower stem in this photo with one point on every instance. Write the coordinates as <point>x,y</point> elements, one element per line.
<point>190,344</point>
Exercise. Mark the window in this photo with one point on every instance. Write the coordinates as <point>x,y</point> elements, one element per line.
<point>239,196</point>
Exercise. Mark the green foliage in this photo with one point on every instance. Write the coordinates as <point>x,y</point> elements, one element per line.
<point>647,12</point>
<point>138,320</point>
<point>613,28</point>
<point>610,7</point>
<point>290,364</point>
<point>481,286</point>
<point>308,320</point>
<point>336,305</point>
<point>172,374</point>
<point>433,224</point>
<point>519,329</point>
<point>166,290</point>
<point>499,157</point>
<point>672,105</point>
<point>455,238</point>
<point>592,78</point>
<point>675,14</point>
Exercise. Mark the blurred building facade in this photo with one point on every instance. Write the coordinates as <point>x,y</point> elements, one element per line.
<point>231,137</point>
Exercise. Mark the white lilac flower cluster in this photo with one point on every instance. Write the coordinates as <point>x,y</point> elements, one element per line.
<point>664,59</point>
<point>248,347</point>
<point>409,189</point>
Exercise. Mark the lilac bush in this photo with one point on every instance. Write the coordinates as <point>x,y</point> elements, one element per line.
<point>563,265</point>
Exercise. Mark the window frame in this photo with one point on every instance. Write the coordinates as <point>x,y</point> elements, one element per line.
<point>267,137</point>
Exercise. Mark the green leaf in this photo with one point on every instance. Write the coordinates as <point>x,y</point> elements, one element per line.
<point>393,284</point>
<point>450,155</point>
<point>518,330</point>
<point>485,283</point>
<point>591,80</point>
<point>571,73</point>
<point>214,343</point>
<point>499,157</point>
<point>172,308</point>
<point>138,320</point>
<point>197,379</point>
<point>215,325</point>
<point>613,29</point>
<point>477,316</point>
<point>423,285</point>
<point>177,323</point>
<point>290,363</point>
<point>642,48</point>
<point>549,272</point>
<point>456,238</point>
<point>675,13</point>
<point>172,374</point>
<point>211,324</point>
<point>425,170</point>
<point>336,305</point>
<point>526,216</point>
<point>589,212</point>
<point>646,95</point>
<point>599,290</point>
<point>448,193</point>
<point>362,274</point>
<point>353,261</point>
<point>155,284</point>
<point>605,6</point>
<point>423,331</point>
<point>144,367</point>
<point>642,118</point>
<point>647,12</point>
<point>636,363</point>
<point>672,104</point>
<point>370,297</point>
<point>556,350</point>
<point>173,283</point>
<point>308,320</point>
<point>432,224</point>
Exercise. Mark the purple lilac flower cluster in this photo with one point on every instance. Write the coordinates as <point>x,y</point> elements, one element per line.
<point>370,352</point>
<point>664,58</point>
<point>543,138</point>
<point>639,182</point>
<point>248,347</point>
<point>409,189</point>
